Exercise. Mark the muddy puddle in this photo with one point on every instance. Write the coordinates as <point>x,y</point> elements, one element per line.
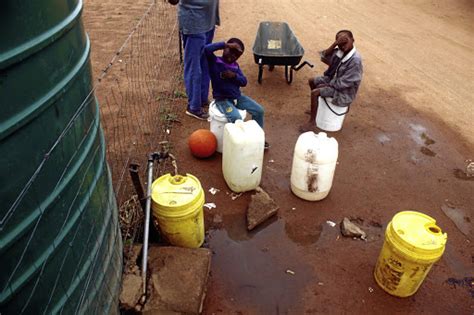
<point>262,271</point>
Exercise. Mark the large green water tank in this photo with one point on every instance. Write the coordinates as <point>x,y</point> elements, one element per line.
<point>60,244</point>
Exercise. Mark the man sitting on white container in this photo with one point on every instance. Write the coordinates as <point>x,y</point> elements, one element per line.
<point>341,80</point>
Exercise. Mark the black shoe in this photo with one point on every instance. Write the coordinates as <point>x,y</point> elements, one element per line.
<point>266,146</point>
<point>201,115</point>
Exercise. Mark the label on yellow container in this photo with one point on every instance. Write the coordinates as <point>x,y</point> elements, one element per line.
<point>413,243</point>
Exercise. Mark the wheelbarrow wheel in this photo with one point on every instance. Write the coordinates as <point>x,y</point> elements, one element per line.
<point>260,73</point>
<point>289,74</point>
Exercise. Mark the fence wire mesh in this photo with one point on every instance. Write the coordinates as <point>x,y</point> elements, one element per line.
<point>136,91</point>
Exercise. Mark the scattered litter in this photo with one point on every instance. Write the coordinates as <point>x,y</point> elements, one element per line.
<point>293,208</point>
<point>371,289</point>
<point>235,195</point>
<point>320,283</point>
<point>337,238</point>
<point>213,190</point>
<point>350,229</point>
<point>261,207</point>
<point>168,131</point>
<point>120,60</point>
<point>210,205</point>
<point>271,161</point>
<point>291,272</point>
<point>330,223</point>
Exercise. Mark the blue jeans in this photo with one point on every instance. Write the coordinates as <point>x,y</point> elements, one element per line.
<point>196,71</point>
<point>230,107</point>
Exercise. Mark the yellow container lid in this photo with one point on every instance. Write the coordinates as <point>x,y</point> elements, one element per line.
<point>175,196</point>
<point>418,233</point>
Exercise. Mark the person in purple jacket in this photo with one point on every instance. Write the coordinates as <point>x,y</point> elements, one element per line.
<point>226,80</point>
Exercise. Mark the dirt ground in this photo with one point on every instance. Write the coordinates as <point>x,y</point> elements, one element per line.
<point>403,146</point>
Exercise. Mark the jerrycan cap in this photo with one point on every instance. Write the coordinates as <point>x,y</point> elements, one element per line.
<point>174,192</point>
<point>418,232</point>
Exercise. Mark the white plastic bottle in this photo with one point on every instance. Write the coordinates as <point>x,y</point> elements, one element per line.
<point>314,163</point>
<point>242,156</point>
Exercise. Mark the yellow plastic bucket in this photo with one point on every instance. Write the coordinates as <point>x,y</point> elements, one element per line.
<point>178,207</point>
<point>413,243</point>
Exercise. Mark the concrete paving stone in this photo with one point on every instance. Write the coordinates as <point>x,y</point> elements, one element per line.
<point>350,229</point>
<point>261,207</point>
<point>178,279</point>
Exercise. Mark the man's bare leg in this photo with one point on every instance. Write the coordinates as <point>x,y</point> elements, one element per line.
<point>314,106</point>
<point>311,124</point>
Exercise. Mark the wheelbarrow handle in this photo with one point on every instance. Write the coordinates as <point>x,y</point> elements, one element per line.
<point>302,65</point>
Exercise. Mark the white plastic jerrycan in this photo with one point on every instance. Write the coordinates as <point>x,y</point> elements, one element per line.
<point>217,122</point>
<point>242,156</point>
<point>314,163</point>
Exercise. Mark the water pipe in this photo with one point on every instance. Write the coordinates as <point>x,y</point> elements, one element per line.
<point>157,156</point>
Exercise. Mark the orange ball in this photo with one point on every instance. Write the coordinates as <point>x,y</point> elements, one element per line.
<point>202,143</point>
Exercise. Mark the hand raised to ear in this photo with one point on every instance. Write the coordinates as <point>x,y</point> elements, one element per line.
<point>342,39</point>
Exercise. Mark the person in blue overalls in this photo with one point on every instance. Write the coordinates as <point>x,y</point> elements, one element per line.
<point>197,21</point>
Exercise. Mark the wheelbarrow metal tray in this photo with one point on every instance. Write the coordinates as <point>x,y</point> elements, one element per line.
<point>276,45</point>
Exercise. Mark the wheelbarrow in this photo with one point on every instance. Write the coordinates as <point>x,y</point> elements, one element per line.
<point>277,45</point>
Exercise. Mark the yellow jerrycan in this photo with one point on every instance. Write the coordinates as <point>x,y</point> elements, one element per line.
<point>178,207</point>
<point>413,243</point>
